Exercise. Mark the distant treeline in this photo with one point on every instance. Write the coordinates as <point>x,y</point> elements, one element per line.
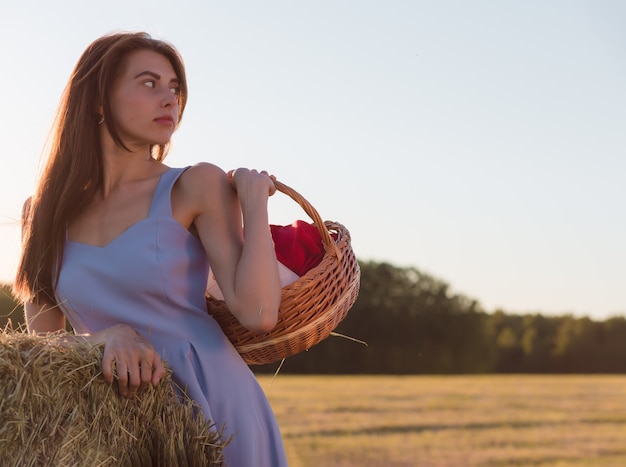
<point>414,324</point>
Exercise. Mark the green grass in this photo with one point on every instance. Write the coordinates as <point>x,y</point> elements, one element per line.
<point>514,420</point>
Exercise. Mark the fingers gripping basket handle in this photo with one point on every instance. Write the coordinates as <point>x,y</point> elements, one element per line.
<point>310,308</point>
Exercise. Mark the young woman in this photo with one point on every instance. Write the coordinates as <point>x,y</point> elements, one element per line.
<point>120,244</point>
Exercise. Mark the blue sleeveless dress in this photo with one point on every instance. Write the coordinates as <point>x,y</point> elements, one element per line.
<point>153,278</point>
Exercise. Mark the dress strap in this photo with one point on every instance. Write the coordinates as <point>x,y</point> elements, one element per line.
<point>161,205</point>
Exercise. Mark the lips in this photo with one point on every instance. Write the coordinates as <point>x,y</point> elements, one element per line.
<point>165,120</point>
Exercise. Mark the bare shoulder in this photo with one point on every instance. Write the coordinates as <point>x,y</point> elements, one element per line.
<point>201,185</point>
<point>202,178</point>
<point>203,172</point>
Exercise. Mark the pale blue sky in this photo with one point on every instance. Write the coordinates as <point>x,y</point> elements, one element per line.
<point>482,142</point>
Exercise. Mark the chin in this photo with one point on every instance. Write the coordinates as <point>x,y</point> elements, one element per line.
<point>162,140</point>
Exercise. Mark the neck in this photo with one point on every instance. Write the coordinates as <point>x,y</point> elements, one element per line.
<point>121,166</point>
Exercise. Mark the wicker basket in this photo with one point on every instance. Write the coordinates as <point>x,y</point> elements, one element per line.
<point>311,307</point>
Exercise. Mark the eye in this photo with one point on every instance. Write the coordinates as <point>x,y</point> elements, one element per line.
<point>175,90</point>
<point>149,83</point>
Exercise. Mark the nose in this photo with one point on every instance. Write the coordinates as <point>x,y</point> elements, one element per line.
<point>169,98</point>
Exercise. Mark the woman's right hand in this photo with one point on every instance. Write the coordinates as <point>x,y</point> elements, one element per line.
<point>130,359</point>
<point>250,180</point>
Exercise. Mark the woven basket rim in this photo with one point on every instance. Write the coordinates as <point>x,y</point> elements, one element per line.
<point>352,287</point>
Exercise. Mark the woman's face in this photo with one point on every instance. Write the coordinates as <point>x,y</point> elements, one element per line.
<point>144,101</point>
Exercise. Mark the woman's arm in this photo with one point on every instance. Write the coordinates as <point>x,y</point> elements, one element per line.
<point>246,269</point>
<point>43,318</point>
<point>131,355</point>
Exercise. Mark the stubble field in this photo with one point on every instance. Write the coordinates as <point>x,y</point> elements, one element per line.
<point>504,420</point>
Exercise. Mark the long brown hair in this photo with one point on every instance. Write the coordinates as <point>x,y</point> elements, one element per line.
<point>72,174</point>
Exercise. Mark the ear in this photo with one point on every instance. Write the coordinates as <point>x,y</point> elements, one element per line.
<point>100,114</point>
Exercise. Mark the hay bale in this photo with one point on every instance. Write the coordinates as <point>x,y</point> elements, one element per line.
<point>57,409</point>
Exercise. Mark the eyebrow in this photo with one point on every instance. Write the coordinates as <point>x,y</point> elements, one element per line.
<point>156,76</point>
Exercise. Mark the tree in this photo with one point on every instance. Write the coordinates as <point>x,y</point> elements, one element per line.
<point>10,311</point>
<point>411,322</point>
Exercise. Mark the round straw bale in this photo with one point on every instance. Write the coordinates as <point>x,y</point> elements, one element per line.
<point>57,409</point>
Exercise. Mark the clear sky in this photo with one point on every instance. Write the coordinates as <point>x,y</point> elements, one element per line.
<point>482,142</point>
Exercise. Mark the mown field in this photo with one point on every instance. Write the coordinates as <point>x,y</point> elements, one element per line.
<point>512,420</point>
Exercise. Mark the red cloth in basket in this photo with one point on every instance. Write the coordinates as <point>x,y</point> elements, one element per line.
<point>298,246</point>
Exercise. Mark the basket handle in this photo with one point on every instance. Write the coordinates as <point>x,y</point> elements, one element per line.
<point>329,244</point>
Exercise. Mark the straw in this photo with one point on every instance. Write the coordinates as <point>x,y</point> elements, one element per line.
<point>57,409</point>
